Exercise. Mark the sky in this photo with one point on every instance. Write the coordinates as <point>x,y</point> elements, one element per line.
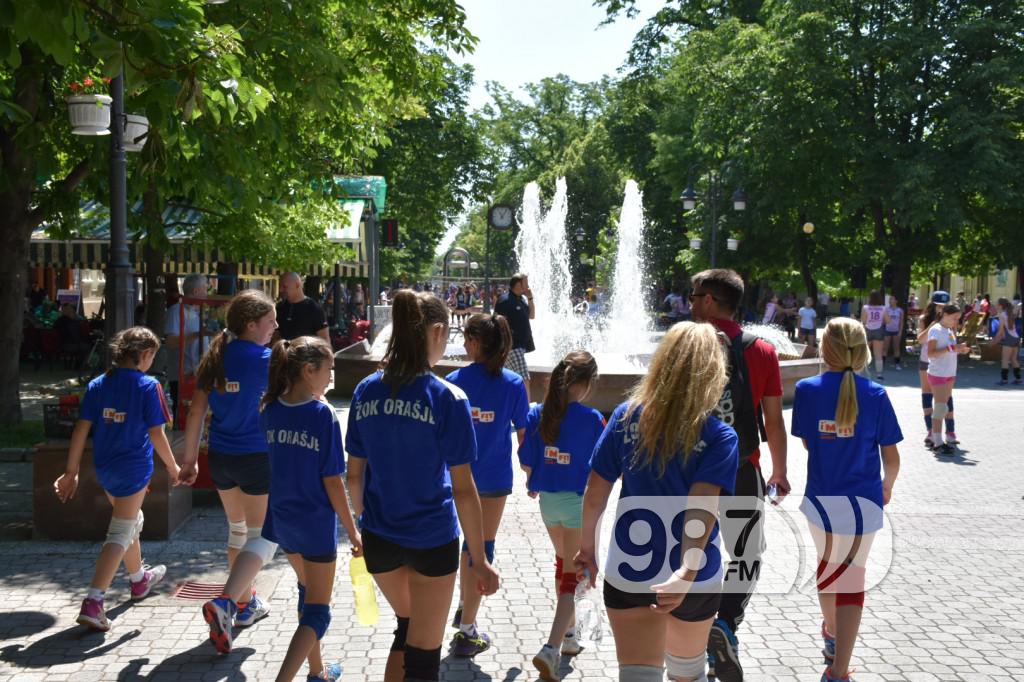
<point>527,40</point>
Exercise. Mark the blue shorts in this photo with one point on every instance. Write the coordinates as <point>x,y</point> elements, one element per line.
<point>124,478</point>
<point>1010,341</point>
<point>562,509</point>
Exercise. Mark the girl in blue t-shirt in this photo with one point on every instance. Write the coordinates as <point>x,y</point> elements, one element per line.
<point>307,497</point>
<point>664,445</point>
<point>410,443</point>
<point>844,420</point>
<point>560,439</point>
<point>497,398</point>
<point>126,411</point>
<point>230,380</point>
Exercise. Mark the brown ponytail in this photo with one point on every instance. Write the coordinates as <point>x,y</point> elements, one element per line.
<point>287,360</point>
<point>249,306</point>
<point>495,337</point>
<point>128,345</point>
<point>412,315</point>
<point>576,367</point>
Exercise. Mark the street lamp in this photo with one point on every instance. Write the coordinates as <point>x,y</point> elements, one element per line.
<point>739,203</point>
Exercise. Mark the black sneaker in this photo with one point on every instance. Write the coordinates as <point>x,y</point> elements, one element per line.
<point>945,449</point>
<point>724,646</point>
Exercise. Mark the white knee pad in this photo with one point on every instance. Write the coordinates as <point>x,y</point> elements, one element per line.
<point>641,673</point>
<point>236,534</point>
<point>251,532</point>
<point>261,547</point>
<point>140,521</point>
<point>121,532</point>
<point>939,413</point>
<point>687,668</point>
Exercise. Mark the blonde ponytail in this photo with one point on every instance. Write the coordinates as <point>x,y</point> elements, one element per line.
<point>844,347</point>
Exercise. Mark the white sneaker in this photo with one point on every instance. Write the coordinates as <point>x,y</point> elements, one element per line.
<point>546,661</point>
<point>571,646</point>
<point>255,610</point>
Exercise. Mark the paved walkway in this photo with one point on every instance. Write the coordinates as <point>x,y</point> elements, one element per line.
<point>949,608</point>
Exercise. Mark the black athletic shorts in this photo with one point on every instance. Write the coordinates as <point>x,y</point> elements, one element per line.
<point>383,556</point>
<point>504,492</point>
<point>315,558</point>
<point>696,607</point>
<point>251,473</point>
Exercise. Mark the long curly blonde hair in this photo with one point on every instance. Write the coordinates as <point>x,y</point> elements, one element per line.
<point>844,347</point>
<point>682,386</point>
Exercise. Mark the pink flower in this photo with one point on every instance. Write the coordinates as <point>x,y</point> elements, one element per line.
<point>75,87</point>
<point>87,82</point>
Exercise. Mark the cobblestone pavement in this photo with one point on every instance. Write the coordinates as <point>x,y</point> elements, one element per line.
<point>949,607</point>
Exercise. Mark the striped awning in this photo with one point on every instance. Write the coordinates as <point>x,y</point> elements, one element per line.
<point>90,249</point>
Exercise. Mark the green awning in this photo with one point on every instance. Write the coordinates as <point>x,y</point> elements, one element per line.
<point>365,187</point>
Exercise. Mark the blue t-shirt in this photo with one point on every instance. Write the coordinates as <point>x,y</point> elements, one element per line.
<point>234,426</point>
<point>305,447</point>
<point>564,466</point>
<point>122,408</point>
<point>843,466</point>
<point>410,440</point>
<point>495,401</point>
<point>714,460</point>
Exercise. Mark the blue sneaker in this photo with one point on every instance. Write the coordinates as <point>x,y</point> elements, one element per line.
<point>724,646</point>
<point>218,613</point>
<point>255,610</point>
<point>827,677</point>
<point>331,673</point>
<point>829,651</point>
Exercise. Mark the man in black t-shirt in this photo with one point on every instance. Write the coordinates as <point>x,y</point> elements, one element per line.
<point>517,307</point>
<point>297,314</point>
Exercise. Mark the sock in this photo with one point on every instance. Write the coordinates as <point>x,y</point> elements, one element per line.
<point>950,418</point>
<point>468,629</point>
<point>879,365</point>
<point>1004,374</point>
<point>1016,373</point>
<point>137,575</point>
<point>95,593</point>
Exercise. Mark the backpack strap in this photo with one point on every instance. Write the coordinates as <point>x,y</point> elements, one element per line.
<point>748,341</point>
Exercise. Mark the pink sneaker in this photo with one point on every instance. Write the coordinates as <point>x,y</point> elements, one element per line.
<point>93,616</point>
<point>151,576</point>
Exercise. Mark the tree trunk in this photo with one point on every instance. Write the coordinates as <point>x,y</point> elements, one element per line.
<point>804,252</point>
<point>227,278</point>
<point>14,242</point>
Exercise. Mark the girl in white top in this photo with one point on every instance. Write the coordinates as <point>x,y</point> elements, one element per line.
<point>894,331</point>
<point>942,352</point>
<point>1007,337</point>
<point>808,323</point>
<point>874,319</point>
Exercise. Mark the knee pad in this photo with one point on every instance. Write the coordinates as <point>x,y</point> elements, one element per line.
<point>140,521</point>
<point>261,547</point>
<point>317,617</point>
<point>926,401</point>
<point>938,414</point>
<point>121,532</point>
<point>850,599</point>
<point>236,534</point>
<point>401,632</point>
<point>949,403</point>
<point>422,664</point>
<point>252,532</point>
<point>687,668</point>
<point>641,673</point>
<point>302,597</point>
<point>567,583</point>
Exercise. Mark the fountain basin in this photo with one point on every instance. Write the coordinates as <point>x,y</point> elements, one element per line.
<point>613,386</point>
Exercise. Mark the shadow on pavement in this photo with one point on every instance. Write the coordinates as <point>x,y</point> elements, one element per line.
<point>26,624</point>
<point>75,644</point>
<point>452,663</point>
<point>959,458</point>
<point>201,659</point>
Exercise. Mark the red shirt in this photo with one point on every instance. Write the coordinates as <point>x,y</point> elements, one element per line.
<point>763,369</point>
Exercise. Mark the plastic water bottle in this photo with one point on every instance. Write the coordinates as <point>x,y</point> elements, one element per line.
<point>589,617</point>
<point>364,591</point>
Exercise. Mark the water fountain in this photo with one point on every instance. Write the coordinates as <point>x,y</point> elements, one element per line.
<point>621,337</point>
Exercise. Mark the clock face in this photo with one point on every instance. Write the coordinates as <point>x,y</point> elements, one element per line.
<point>502,216</point>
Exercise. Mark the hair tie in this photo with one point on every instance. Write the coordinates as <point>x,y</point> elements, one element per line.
<point>847,369</point>
<point>287,343</point>
<point>230,335</point>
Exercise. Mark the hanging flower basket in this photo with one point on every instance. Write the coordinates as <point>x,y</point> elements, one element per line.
<point>136,127</point>
<point>90,114</point>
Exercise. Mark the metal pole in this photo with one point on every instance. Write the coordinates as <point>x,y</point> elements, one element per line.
<point>373,293</point>
<point>487,269</point>
<point>120,285</point>
<point>713,198</point>
<point>338,322</point>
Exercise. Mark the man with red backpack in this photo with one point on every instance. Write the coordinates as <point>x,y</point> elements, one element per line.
<point>752,405</point>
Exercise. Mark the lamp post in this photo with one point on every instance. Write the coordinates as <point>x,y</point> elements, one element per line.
<point>689,199</point>
<point>120,285</point>
<point>500,217</point>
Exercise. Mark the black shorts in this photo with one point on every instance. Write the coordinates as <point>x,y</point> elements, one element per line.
<point>383,556</point>
<point>251,473</point>
<point>696,607</point>
<point>504,492</point>
<point>315,558</point>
